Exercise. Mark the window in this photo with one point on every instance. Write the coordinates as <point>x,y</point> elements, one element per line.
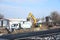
<point>14,25</point>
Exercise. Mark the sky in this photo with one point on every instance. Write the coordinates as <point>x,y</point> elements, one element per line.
<point>21,8</point>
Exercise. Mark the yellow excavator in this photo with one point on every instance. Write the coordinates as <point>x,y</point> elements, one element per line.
<point>33,19</point>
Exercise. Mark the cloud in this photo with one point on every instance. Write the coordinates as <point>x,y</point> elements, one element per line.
<point>20,11</point>
<point>11,11</point>
<point>24,1</point>
<point>16,11</point>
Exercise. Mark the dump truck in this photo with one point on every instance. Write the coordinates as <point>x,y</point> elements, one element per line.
<point>19,25</point>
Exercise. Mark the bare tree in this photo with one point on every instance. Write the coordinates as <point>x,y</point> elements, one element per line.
<point>55,17</point>
<point>1,16</point>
